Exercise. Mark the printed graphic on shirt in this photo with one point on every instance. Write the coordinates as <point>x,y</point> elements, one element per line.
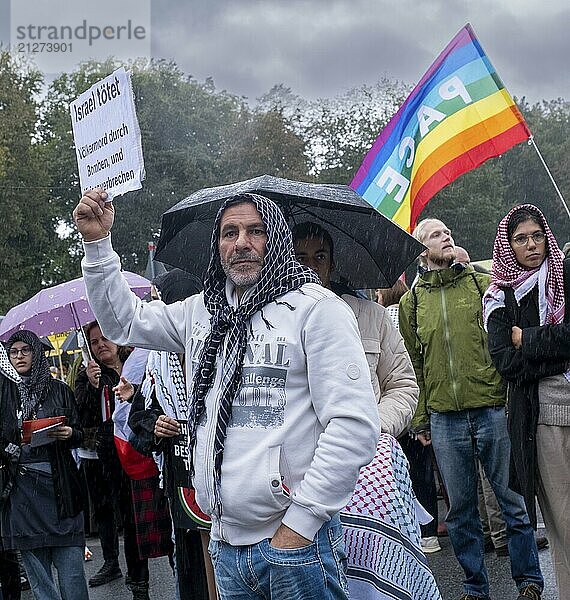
<point>262,398</point>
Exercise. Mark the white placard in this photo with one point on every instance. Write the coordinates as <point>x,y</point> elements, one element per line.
<point>107,136</point>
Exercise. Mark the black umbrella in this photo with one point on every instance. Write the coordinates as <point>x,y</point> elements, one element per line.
<point>369,250</point>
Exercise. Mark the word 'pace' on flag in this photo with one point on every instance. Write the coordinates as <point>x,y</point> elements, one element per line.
<point>458,116</point>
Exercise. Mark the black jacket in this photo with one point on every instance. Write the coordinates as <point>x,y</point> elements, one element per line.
<point>89,398</point>
<point>545,351</point>
<point>58,401</point>
<point>99,435</point>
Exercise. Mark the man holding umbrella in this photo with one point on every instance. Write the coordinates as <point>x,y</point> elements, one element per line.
<point>283,412</point>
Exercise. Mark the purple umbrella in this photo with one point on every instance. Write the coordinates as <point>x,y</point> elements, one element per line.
<point>59,308</point>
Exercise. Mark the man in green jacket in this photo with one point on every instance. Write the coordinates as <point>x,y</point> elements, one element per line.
<point>461,408</point>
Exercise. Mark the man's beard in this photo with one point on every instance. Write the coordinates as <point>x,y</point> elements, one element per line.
<point>243,275</point>
<point>438,259</point>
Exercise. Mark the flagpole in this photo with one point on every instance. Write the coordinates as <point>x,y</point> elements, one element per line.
<point>533,143</point>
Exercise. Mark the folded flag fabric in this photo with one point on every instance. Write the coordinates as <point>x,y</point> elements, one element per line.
<point>136,465</point>
<point>458,116</point>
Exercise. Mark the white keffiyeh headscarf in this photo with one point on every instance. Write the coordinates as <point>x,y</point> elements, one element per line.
<point>6,367</point>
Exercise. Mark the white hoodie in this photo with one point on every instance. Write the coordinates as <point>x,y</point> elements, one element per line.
<point>304,422</point>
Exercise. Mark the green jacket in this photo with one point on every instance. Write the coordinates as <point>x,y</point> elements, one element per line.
<point>442,326</point>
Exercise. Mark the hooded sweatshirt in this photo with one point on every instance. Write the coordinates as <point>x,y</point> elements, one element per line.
<point>305,419</point>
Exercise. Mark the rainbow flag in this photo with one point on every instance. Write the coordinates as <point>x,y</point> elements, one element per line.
<point>458,116</point>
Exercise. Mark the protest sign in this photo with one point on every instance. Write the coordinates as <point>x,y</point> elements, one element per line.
<point>107,136</point>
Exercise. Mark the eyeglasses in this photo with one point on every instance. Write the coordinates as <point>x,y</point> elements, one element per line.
<point>522,240</point>
<point>24,351</point>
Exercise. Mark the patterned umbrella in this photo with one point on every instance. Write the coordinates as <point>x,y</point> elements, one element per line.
<point>59,308</point>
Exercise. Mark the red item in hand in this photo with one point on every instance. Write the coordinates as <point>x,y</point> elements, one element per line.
<point>33,425</point>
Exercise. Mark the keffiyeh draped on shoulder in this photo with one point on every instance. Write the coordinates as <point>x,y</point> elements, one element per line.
<point>6,367</point>
<point>164,374</point>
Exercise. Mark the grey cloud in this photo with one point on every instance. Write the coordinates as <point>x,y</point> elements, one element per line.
<point>323,47</point>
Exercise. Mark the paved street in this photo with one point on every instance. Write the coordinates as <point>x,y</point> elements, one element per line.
<point>449,575</point>
<point>444,565</point>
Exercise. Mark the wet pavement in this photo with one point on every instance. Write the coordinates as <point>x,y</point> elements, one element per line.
<point>449,575</point>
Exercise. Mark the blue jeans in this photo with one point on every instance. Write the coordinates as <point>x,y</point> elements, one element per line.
<point>315,572</point>
<point>459,438</point>
<point>69,563</point>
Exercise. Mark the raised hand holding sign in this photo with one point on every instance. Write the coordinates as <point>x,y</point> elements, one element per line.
<point>94,215</point>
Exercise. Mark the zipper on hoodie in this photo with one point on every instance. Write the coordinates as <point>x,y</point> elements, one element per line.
<point>448,344</point>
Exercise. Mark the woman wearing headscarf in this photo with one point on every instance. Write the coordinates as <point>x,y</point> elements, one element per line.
<point>162,399</point>
<point>9,564</point>
<point>42,495</point>
<point>527,313</point>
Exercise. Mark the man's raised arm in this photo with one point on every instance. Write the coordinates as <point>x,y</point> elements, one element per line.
<point>123,317</point>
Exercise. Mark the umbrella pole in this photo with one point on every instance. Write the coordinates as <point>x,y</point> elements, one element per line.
<point>80,335</point>
<point>59,353</point>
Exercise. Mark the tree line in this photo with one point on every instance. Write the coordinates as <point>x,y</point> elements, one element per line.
<point>195,136</point>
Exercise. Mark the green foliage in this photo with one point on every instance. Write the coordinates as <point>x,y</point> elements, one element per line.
<point>27,225</point>
<point>263,143</point>
<point>524,175</point>
<point>340,131</point>
<point>196,136</point>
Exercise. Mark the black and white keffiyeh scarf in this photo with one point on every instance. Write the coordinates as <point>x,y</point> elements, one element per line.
<point>32,392</point>
<point>281,273</point>
<point>164,375</point>
<point>6,367</point>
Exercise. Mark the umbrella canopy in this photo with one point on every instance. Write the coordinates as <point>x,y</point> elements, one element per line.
<point>59,308</point>
<point>369,250</point>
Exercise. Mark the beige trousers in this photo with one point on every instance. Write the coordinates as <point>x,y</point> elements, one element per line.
<point>494,525</point>
<point>553,491</point>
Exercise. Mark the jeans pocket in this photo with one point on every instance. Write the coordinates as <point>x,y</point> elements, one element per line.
<point>289,556</point>
<point>336,540</point>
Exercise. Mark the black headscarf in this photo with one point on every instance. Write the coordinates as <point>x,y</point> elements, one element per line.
<point>177,284</point>
<point>280,273</point>
<point>32,393</point>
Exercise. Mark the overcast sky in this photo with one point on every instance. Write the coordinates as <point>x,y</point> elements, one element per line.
<point>323,47</point>
<point>320,48</point>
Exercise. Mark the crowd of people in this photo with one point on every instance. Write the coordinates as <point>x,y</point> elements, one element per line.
<point>276,435</point>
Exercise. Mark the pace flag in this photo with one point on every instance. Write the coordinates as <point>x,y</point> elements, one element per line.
<point>458,116</point>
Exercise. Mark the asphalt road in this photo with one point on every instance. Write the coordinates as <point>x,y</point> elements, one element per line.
<point>446,569</point>
<point>449,575</point>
